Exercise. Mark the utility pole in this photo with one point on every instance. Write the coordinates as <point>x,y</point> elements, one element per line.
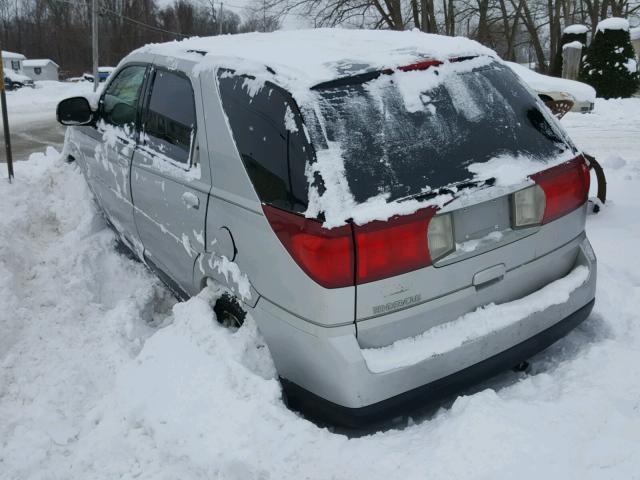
<point>5,121</point>
<point>264,15</point>
<point>94,42</point>
<point>220,20</point>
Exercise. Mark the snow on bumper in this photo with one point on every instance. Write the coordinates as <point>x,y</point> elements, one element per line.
<point>329,362</point>
<point>484,321</point>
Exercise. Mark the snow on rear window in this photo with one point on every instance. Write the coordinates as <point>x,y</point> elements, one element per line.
<point>402,136</point>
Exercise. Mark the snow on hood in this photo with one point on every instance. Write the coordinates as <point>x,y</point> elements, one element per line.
<point>544,83</point>
<point>613,23</point>
<point>303,58</point>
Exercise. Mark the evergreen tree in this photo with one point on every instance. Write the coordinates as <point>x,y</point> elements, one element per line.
<point>609,64</point>
<point>570,34</point>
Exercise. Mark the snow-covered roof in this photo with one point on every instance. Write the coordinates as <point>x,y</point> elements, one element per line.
<point>613,23</point>
<point>544,83</point>
<point>576,29</point>
<point>39,62</point>
<point>313,56</point>
<point>12,55</point>
<point>106,69</point>
<point>635,33</point>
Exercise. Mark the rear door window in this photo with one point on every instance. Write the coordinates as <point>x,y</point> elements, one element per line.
<point>170,118</point>
<point>268,132</point>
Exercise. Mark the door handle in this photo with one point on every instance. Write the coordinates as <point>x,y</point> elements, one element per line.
<point>190,200</point>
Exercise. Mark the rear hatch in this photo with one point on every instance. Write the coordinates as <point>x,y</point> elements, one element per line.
<point>450,144</point>
<point>405,182</point>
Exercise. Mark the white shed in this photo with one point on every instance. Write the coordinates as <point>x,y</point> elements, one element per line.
<point>12,61</point>
<point>41,69</point>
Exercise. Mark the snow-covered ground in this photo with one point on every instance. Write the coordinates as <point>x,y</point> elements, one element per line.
<point>103,375</point>
<point>28,105</point>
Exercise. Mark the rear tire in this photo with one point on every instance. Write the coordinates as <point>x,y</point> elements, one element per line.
<point>228,312</point>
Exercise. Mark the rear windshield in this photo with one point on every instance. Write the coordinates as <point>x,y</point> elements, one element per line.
<point>398,135</point>
<point>409,132</point>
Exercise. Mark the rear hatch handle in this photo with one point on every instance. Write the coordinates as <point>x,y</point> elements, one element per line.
<point>489,275</point>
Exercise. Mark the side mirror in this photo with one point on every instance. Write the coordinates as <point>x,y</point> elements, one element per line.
<point>74,111</point>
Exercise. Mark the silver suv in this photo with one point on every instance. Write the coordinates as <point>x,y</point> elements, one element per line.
<point>397,231</point>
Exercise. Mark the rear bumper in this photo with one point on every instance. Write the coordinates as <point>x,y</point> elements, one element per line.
<point>325,373</point>
<point>324,411</point>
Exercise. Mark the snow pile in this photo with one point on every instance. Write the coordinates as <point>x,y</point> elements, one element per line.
<point>100,378</point>
<point>634,33</point>
<point>472,326</point>
<point>613,23</point>
<point>543,83</point>
<point>576,29</point>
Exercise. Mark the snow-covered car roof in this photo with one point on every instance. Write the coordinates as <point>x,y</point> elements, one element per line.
<point>544,83</point>
<point>309,57</point>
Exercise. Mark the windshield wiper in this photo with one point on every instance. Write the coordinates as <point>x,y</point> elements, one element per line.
<point>454,189</point>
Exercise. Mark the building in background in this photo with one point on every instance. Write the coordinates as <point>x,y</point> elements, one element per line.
<point>41,69</point>
<point>12,61</point>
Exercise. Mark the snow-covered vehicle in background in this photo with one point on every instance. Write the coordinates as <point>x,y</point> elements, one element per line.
<point>103,74</point>
<point>549,88</point>
<point>395,210</point>
<point>14,81</point>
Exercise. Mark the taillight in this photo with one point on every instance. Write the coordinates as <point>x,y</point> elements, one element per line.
<point>389,248</point>
<point>326,255</point>
<point>565,186</point>
<point>356,254</point>
<point>528,206</point>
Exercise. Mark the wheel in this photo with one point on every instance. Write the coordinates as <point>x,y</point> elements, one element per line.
<point>228,312</point>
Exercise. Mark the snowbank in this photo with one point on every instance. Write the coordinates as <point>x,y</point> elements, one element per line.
<point>634,33</point>
<point>101,378</point>
<point>613,23</point>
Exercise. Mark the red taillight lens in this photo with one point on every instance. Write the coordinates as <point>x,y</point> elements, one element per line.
<point>326,255</point>
<point>566,187</point>
<point>329,256</point>
<point>399,245</point>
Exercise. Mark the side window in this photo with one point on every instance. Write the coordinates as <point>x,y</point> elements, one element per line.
<point>268,133</point>
<point>15,65</point>
<point>37,70</point>
<point>170,118</point>
<point>120,99</point>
